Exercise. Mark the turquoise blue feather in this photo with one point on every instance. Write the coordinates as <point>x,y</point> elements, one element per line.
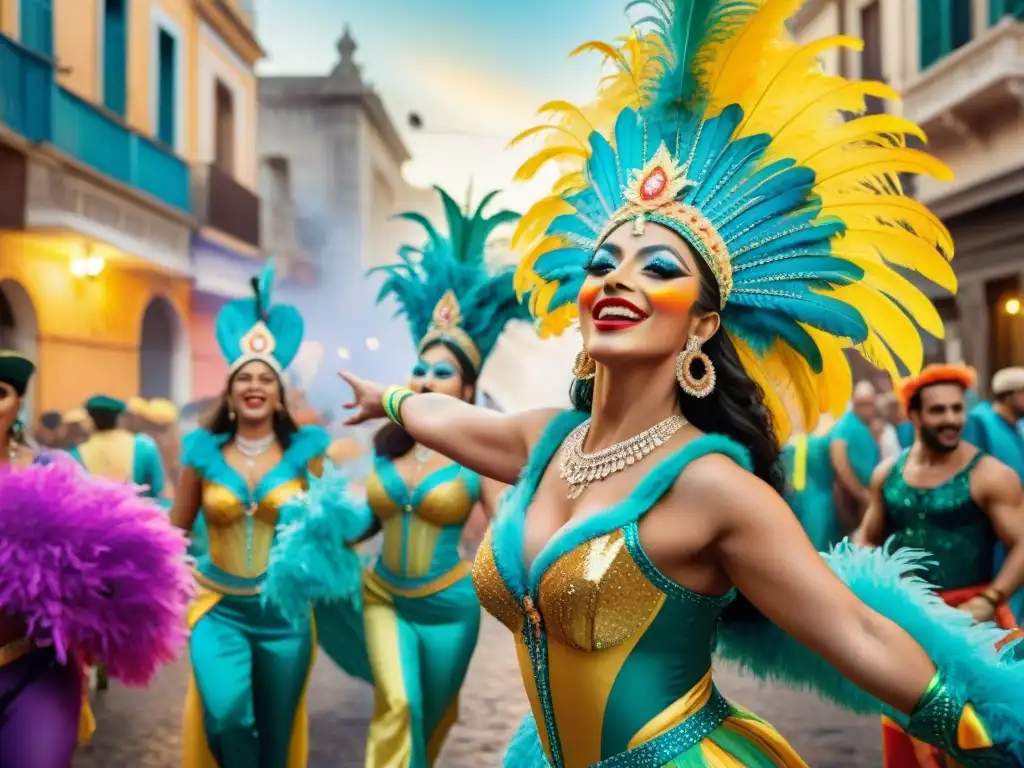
<point>310,560</point>
<point>884,580</point>
<point>423,275</point>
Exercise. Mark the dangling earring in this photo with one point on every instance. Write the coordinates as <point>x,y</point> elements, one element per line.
<point>231,415</point>
<point>690,384</point>
<point>585,368</point>
<point>15,438</point>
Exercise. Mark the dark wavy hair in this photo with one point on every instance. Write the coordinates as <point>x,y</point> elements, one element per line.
<point>219,422</point>
<point>735,408</point>
<point>392,441</point>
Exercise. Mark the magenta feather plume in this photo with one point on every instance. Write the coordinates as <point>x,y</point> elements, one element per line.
<point>94,570</point>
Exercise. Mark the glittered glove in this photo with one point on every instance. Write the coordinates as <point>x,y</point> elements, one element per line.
<point>945,720</point>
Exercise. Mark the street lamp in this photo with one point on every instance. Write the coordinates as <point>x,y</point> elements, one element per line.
<point>1012,306</point>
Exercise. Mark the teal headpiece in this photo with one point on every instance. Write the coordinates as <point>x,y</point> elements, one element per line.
<point>105,403</point>
<point>445,289</point>
<point>16,370</point>
<point>255,329</point>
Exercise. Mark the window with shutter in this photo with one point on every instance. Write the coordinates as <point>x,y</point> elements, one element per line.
<point>997,9</point>
<point>115,56</point>
<point>37,26</point>
<point>944,26</point>
<point>167,66</point>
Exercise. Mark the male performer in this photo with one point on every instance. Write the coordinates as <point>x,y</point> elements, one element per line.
<point>946,497</point>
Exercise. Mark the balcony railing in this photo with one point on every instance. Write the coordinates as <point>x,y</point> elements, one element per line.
<point>34,106</point>
<point>224,204</point>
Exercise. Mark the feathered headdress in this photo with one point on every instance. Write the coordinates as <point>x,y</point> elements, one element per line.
<point>445,289</point>
<point>255,329</point>
<point>730,134</point>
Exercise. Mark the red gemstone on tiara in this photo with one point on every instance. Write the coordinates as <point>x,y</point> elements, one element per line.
<point>258,344</point>
<point>654,184</point>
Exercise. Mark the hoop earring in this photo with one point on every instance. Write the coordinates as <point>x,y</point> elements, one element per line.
<point>585,368</point>
<point>690,384</point>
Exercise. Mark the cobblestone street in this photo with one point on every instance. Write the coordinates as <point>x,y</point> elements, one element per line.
<point>140,728</point>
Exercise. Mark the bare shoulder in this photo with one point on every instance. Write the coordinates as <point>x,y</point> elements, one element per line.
<point>882,471</point>
<point>995,475</point>
<point>532,423</point>
<point>724,488</point>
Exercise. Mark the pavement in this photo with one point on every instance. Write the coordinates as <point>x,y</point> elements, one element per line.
<point>141,728</point>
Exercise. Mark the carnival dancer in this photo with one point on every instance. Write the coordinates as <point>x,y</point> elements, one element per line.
<point>89,573</point>
<point>77,427</point>
<point>163,428</point>
<point>420,615</point>
<point>116,453</point>
<point>721,252</point>
<point>995,428</point>
<point>946,497</point>
<point>246,702</point>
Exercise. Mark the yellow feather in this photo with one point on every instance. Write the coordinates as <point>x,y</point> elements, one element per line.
<point>523,135</point>
<point>752,365</point>
<point>796,384</point>
<point>786,72</point>
<point>537,219</point>
<point>570,183</point>
<point>533,164</point>
<point>603,48</point>
<point>864,209</point>
<point>820,102</point>
<point>876,353</point>
<point>886,319</point>
<point>882,277</point>
<point>872,128</point>
<point>835,382</point>
<point>899,247</point>
<point>840,168</point>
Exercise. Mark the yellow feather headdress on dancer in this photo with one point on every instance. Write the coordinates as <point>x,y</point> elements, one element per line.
<point>717,125</point>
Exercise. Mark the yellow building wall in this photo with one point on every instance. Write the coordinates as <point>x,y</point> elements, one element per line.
<point>9,19</point>
<point>76,44</point>
<point>215,56</point>
<point>89,330</point>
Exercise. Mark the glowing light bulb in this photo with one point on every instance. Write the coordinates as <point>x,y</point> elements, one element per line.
<point>373,343</point>
<point>1012,306</point>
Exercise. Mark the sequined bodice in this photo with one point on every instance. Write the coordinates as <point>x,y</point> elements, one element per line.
<point>609,647</point>
<point>945,521</point>
<point>421,527</point>
<point>240,531</point>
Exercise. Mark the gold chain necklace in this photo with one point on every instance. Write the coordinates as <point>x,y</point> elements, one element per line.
<point>580,469</point>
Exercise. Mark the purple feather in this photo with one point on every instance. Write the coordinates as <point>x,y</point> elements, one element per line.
<point>93,569</point>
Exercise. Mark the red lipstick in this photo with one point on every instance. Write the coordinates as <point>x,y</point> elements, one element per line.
<point>619,314</point>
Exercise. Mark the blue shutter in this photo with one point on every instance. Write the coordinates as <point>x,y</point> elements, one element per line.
<point>931,16</point>
<point>37,26</point>
<point>997,9</point>
<point>961,23</point>
<point>167,96</point>
<point>115,56</point>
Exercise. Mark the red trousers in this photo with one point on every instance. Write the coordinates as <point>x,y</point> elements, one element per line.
<point>901,751</point>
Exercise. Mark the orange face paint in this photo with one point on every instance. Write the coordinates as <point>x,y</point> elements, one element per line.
<point>587,296</point>
<point>676,299</point>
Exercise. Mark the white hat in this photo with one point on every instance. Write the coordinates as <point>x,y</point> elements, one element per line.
<point>1008,380</point>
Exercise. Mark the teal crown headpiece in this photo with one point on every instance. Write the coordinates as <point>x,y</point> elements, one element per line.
<point>719,126</point>
<point>16,370</point>
<point>255,329</point>
<point>445,289</point>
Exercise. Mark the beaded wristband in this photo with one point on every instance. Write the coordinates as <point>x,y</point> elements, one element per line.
<point>943,719</point>
<point>392,401</point>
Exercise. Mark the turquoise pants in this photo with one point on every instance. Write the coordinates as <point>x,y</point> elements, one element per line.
<point>250,667</point>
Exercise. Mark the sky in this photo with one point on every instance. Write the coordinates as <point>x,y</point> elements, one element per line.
<point>474,70</point>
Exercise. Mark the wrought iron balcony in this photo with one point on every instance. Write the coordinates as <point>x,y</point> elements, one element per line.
<point>35,107</point>
<point>225,205</point>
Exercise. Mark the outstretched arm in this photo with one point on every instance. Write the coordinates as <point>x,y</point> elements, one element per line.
<point>492,444</point>
<point>771,561</point>
<point>871,531</point>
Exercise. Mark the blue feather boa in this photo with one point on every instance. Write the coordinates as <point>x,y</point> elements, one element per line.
<point>311,560</point>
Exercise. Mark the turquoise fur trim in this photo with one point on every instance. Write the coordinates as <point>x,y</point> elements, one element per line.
<point>456,263</point>
<point>508,525</point>
<point>201,449</point>
<point>310,560</point>
<point>963,650</point>
<point>525,750</point>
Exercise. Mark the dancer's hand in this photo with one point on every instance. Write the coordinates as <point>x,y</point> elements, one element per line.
<point>367,399</point>
<point>980,608</point>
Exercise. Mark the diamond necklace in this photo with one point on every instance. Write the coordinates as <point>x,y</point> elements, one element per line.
<point>580,469</point>
<point>253,449</point>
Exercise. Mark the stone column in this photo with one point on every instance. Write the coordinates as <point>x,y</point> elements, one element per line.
<point>973,313</point>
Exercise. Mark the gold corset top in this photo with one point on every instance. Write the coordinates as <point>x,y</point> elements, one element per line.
<point>593,597</point>
<point>421,528</point>
<point>240,536</point>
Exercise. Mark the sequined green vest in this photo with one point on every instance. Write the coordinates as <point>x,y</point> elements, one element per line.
<point>945,521</point>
